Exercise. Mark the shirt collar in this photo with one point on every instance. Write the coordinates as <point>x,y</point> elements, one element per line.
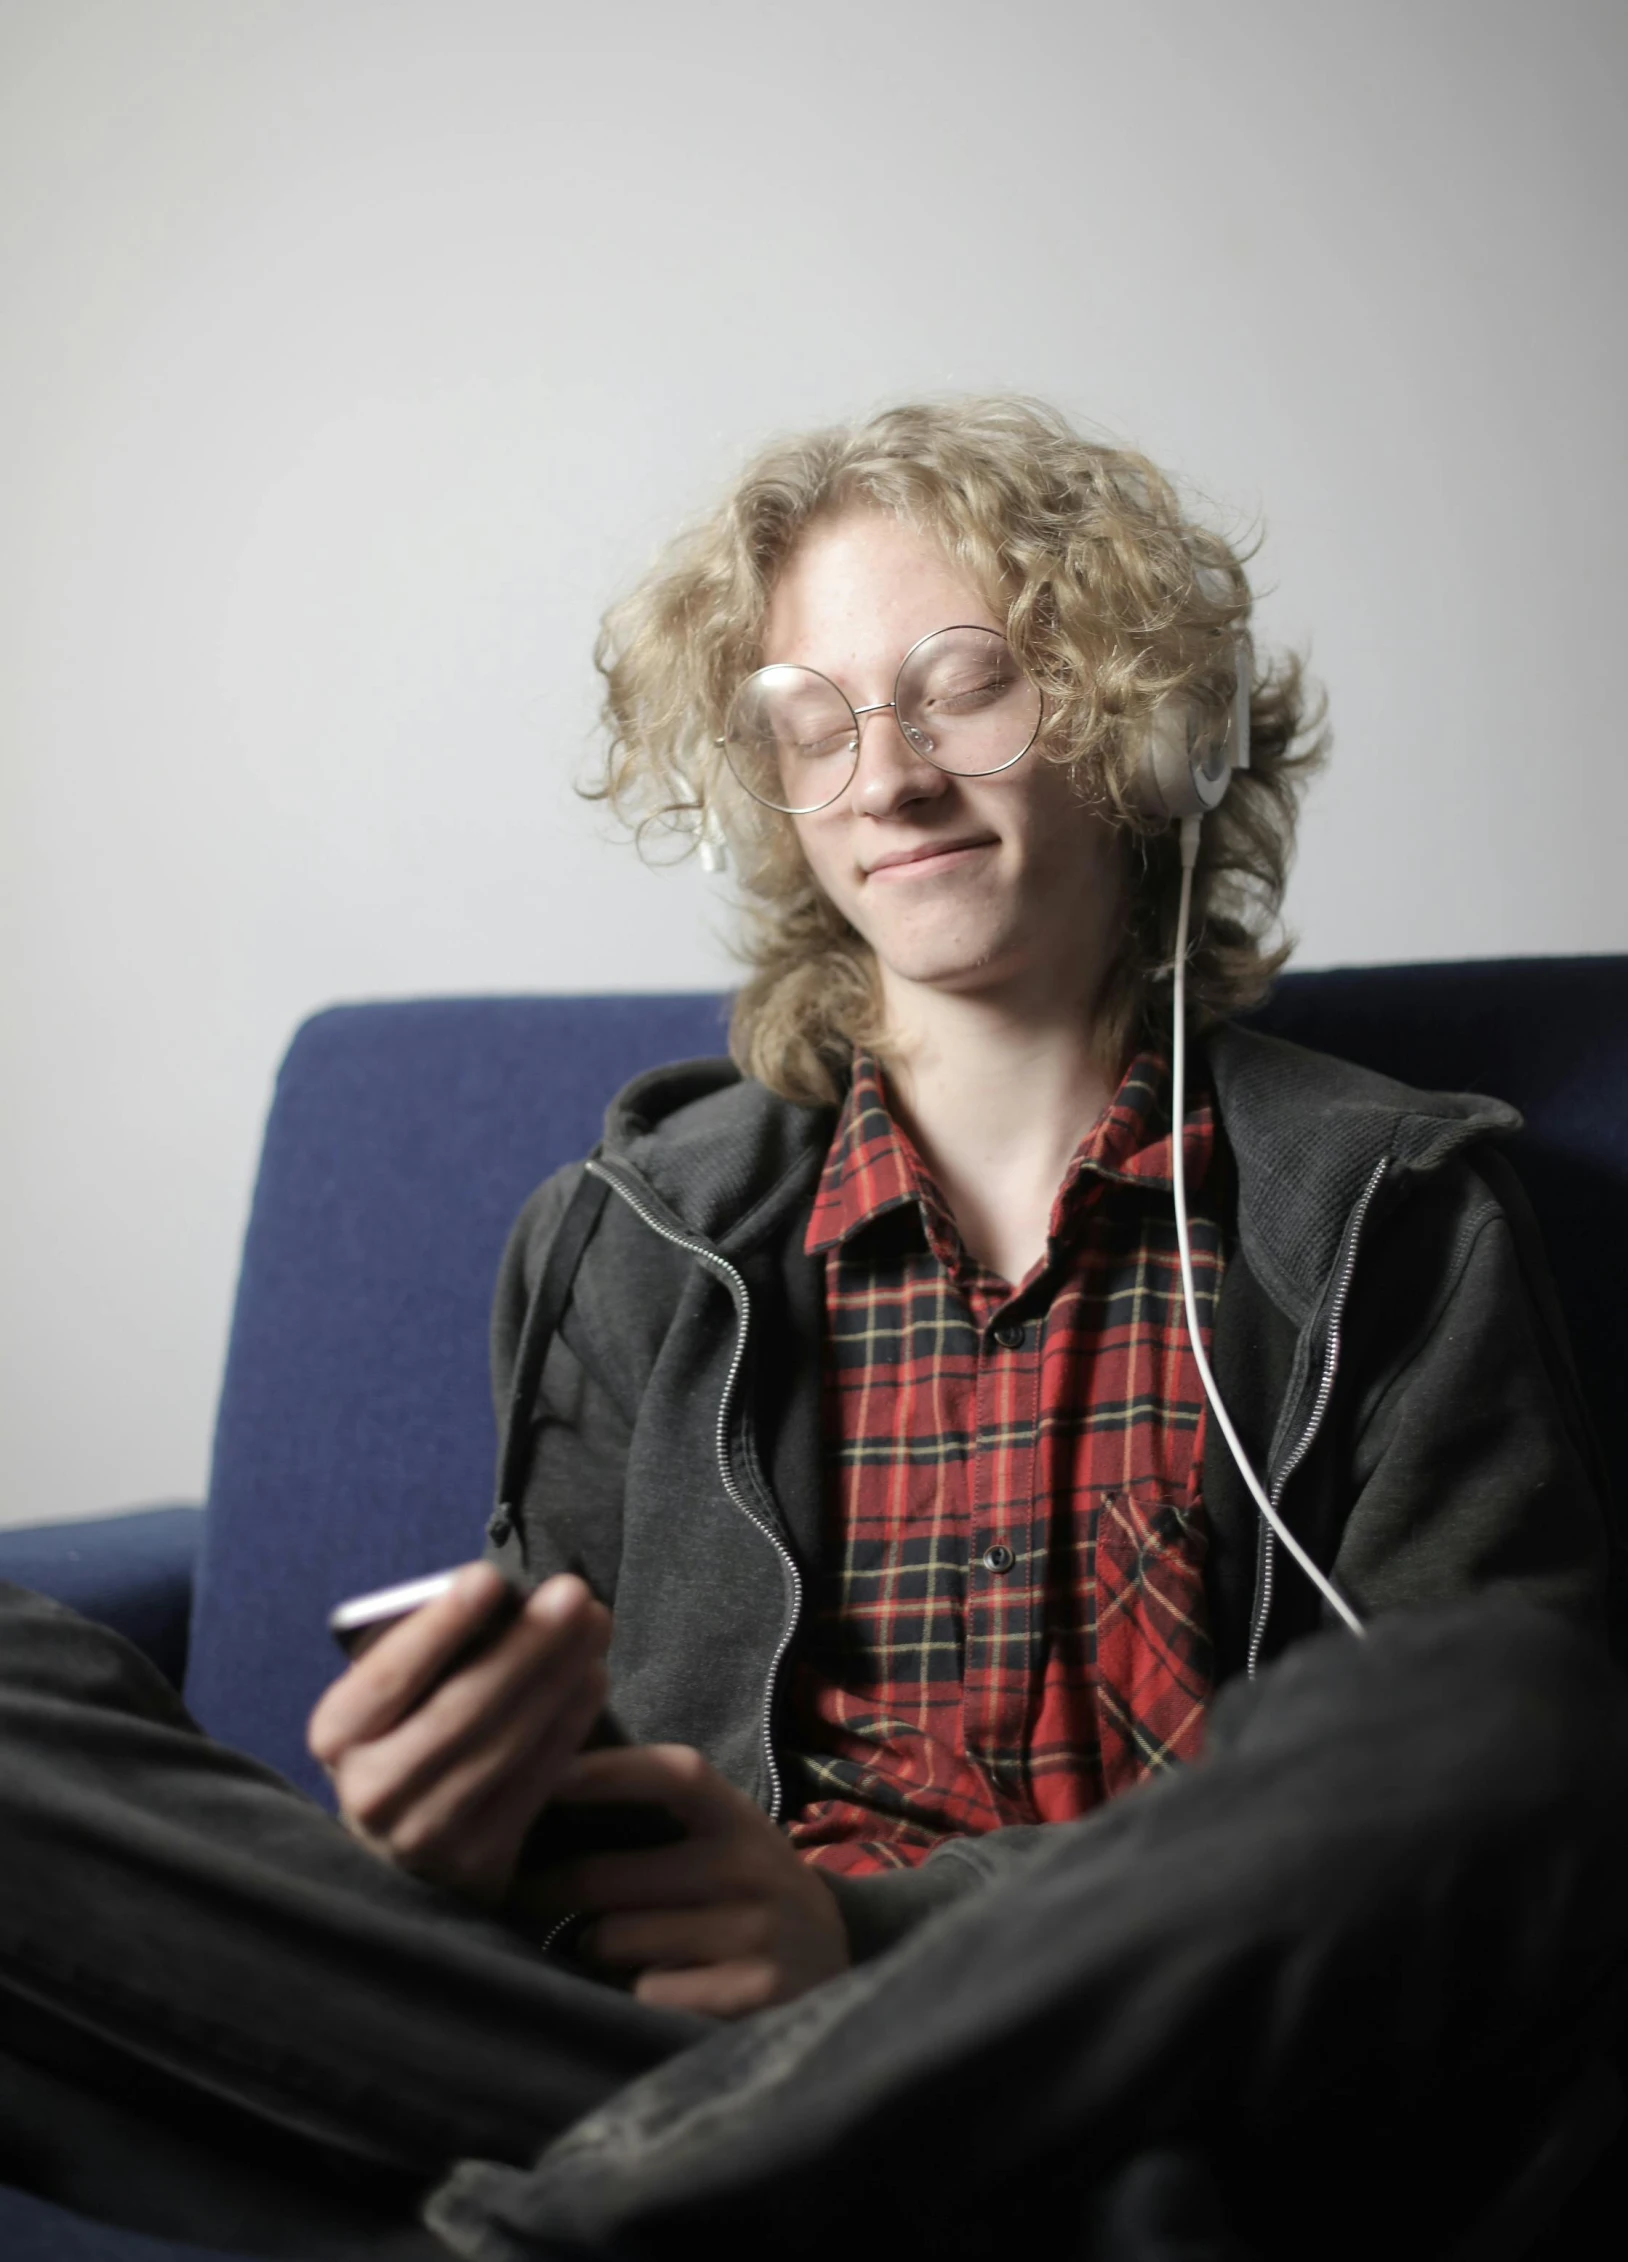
<point>873,1165</point>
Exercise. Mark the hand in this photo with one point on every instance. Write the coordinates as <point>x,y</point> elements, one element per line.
<point>446,1779</point>
<point>726,1922</point>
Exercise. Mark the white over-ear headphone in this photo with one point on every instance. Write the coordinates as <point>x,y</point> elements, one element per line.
<point>1184,766</point>
<point>1183,769</point>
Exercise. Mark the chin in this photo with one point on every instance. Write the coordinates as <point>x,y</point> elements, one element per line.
<point>947,944</point>
<point>966,964</point>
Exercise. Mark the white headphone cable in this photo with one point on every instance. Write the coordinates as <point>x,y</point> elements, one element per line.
<point>1178,1174</point>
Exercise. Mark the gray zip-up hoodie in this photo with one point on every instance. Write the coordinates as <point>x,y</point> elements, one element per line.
<point>1387,1343</point>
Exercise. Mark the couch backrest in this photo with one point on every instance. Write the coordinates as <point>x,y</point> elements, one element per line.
<point>1551,1036</point>
<point>354,1442</point>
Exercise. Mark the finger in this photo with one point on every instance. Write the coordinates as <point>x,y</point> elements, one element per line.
<point>393,1674</point>
<point>470,1822</point>
<point>426,1761</point>
<point>720,1991</point>
<point>482,1677</point>
<point>467,1833</point>
<point>440,1766</point>
<point>561,1629</point>
<point>533,1663</point>
<point>678,1938</point>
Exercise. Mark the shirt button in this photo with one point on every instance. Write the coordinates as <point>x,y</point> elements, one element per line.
<point>999,1557</point>
<point>1009,1335</point>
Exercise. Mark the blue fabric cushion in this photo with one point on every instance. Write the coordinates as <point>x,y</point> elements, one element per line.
<point>354,1444</point>
<point>132,1572</point>
<point>32,2230</point>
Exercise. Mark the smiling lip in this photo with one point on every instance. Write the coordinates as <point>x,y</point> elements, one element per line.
<point>930,852</point>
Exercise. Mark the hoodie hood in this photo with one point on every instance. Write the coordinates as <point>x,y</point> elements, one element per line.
<point>1307,1132</point>
<point>723,1157</point>
<point>726,1160</point>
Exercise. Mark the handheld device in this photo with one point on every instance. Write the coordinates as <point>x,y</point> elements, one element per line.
<point>357,1623</point>
<point>570,1829</point>
<point>566,1829</point>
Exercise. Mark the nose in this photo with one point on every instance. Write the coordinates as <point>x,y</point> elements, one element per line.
<point>890,774</point>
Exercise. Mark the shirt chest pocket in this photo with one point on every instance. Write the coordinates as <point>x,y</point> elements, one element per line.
<point>1152,1665</point>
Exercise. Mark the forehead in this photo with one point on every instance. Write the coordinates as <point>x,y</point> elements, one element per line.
<point>859,589</point>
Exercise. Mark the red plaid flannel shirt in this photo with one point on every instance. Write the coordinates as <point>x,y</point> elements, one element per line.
<point>1009,1621</point>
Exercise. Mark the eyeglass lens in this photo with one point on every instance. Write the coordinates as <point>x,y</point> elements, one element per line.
<point>963,704</point>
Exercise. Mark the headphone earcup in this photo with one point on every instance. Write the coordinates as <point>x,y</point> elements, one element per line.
<point>1180,768</point>
<point>1175,776</point>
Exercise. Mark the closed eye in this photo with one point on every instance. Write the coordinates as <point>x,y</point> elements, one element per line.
<point>835,742</point>
<point>970,700</point>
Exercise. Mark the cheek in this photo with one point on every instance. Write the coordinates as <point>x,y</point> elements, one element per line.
<point>823,852</point>
<point>1050,802</point>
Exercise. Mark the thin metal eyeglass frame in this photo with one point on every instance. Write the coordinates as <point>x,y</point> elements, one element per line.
<point>907,731</point>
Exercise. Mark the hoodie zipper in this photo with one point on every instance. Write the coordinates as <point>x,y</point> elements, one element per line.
<point>1308,1436</point>
<point>722,1269</point>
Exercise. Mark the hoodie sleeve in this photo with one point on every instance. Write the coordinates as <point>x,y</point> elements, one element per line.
<point>1471,1462</point>
<point>879,1911</point>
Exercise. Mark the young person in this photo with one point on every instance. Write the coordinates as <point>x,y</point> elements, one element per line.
<point>858,1444</point>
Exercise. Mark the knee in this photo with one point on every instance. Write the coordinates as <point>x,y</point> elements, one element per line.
<point>50,1655</point>
<point>1513,1697</point>
<point>1493,1710</point>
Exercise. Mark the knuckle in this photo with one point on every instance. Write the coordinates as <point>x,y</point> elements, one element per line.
<point>408,1841</point>
<point>364,1800</point>
<point>363,1836</point>
<point>418,1837</point>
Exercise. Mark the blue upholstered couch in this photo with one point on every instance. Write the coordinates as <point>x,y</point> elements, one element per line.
<point>354,1440</point>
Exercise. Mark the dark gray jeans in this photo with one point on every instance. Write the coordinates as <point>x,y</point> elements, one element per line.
<point>1350,1955</point>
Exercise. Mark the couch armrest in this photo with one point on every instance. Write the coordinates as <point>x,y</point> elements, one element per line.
<point>132,1572</point>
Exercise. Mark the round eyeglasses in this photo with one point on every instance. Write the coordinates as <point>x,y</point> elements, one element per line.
<point>960,699</point>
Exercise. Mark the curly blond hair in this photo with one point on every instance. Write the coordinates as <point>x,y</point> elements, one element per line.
<point>1114,598</point>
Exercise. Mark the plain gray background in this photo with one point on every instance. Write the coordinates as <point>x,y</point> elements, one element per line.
<point>357,351</point>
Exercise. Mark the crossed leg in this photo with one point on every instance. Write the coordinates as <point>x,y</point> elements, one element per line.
<point>187,1937</point>
<point>1348,1961</point>
<point>1391,1899</point>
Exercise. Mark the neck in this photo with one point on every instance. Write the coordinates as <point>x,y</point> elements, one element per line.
<point>998,1094</point>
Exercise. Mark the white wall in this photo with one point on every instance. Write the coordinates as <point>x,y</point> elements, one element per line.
<point>356,350</point>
